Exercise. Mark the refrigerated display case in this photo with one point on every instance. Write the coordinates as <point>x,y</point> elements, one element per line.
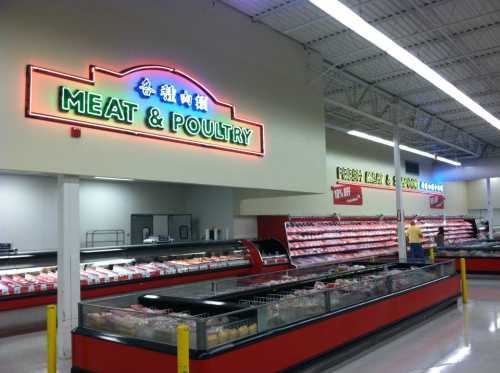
<point>265,322</point>
<point>30,278</point>
<point>482,256</point>
<point>317,240</point>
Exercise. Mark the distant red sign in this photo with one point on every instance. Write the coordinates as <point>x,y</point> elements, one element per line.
<point>436,201</point>
<point>347,195</point>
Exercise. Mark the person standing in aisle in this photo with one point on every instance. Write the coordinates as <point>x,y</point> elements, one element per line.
<point>414,237</point>
<point>439,238</point>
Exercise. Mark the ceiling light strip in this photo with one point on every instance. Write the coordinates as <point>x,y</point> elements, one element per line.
<point>405,148</point>
<point>350,19</point>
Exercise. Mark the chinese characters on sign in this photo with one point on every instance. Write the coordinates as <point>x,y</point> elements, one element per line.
<point>347,195</point>
<point>169,94</point>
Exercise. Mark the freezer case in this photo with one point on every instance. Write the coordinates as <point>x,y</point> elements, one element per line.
<point>481,256</point>
<point>243,324</point>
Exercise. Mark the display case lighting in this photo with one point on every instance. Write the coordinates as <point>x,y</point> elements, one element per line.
<point>14,256</point>
<point>350,19</point>
<point>402,147</point>
<point>100,251</point>
<point>112,178</point>
<point>16,271</point>
<point>109,262</point>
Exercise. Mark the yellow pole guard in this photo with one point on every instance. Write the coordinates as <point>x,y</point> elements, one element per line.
<point>51,338</point>
<point>463,275</point>
<point>182,348</point>
<point>432,255</point>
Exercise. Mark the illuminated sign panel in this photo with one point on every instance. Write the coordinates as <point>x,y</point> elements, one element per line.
<point>355,175</point>
<point>150,101</point>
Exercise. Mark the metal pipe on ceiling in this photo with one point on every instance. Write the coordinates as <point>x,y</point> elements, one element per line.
<point>402,126</point>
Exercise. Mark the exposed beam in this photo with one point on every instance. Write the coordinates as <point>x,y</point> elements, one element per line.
<point>379,20</point>
<point>391,97</point>
<point>350,56</point>
<point>430,88</point>
<point>465,110</point>
<point>448,100</point>
<point>279,7</point>
<point>438,65</point>
<point>405,127</point>
<point>415,46</point>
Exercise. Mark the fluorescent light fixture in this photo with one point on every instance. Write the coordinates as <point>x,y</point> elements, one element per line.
<point>371,138</point>
<point>416,151</point>
<point>350,19</point>
<point>111,178</point>
<point>449,161</point>
<point>402,147</point>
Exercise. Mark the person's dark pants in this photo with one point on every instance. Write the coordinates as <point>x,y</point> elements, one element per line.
<point>417,252</point>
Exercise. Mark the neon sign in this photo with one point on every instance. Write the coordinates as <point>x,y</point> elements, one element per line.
<point>354,175</point>
<point>150,101</point>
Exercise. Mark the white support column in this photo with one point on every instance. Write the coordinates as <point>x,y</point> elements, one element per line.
<point>68,265</point>
<point>399,196</point>
<point>490,207</point>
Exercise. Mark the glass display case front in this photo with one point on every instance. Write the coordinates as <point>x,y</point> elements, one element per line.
<point>36,272</point>
<point>229,311</point>
<point>474,249</point>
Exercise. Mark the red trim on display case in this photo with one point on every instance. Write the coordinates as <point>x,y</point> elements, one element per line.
<point>478,265</point>
<point>272,226</point>
<point>277,351</point>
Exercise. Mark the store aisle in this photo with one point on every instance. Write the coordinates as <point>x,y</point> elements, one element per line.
<point>25,353</point>
<point>456,341</point>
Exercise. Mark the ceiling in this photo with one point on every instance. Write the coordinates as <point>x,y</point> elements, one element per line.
<point>367,90</point>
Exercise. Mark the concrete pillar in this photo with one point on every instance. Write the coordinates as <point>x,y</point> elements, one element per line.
<point>68,265</point>
<point>489,204</point>
<point>399,196</point>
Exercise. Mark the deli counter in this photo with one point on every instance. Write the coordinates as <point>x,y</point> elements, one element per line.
<point>29,279</point>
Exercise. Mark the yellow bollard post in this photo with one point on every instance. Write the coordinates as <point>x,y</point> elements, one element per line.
<point>51,338</point>
<point>182,348</point>
<point>432,255</point>
<point>463,275</point>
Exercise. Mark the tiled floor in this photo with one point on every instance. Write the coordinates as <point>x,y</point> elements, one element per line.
<point>459,340</point>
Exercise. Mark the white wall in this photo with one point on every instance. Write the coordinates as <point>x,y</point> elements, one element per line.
<point>348,151</point>
<point>245,227</point>
<point>108,205</point>
<point>28,215</point>
<point>470,170</point>
<point>211,207</point>
<point>265,75</point>
<point>476,193</point>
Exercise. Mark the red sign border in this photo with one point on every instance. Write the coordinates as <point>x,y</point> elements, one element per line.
<point>119,74</point>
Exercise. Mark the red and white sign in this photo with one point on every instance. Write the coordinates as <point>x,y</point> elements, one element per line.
<point>436,201</point>
<point>347,195</point>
